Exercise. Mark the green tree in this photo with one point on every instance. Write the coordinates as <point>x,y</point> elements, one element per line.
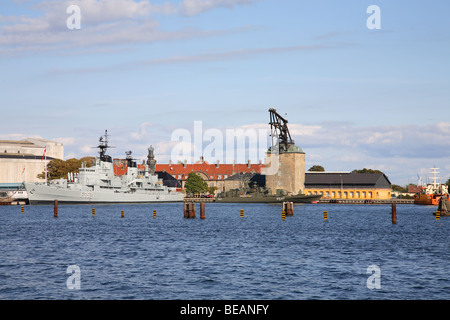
<point>398,188</point>
<point>195,184</point>
<point>212,190</point>
<point>365,170</point>
<point>317,168</point>
<point>57,168</point>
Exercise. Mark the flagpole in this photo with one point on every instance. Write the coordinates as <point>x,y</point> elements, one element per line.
<point>45,163</point>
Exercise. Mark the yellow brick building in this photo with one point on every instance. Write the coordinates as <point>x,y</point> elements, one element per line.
<point>348,185</point>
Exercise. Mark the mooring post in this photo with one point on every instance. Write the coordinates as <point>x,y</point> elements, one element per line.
<point>186,212</point>
<point>93,212</point>
<point>242,213</point>
<point>122,213</point>
<point>192,210</point>
<point>202,210</point>
<point>55,209</point>
<point>290,211</point>
<point>189,210</point>
<point>394,213</point>
<point>154,213</point>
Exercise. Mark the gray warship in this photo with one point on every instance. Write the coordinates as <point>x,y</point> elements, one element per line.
<point>99,184</point>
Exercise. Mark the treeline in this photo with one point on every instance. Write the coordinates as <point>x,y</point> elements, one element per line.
<point>318,168</point>
<point>57,168</point>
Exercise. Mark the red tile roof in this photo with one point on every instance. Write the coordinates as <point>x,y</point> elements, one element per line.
<point>213,171</point>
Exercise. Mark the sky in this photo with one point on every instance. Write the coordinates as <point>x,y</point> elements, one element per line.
<point>355,97</point>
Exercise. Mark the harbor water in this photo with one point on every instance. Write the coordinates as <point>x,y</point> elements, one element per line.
<point>163,256</point>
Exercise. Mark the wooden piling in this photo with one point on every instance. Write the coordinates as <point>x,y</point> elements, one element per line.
<point>242,213</point>
<point>394,213</point>
<point>438,215</point>
<point>202,210</point>
<point>93,212</point>
<point>325,215</point>
<point>55,209</point>
<point>122,213</point>
<point>283,215</point>
<point>189,210</point>
<point>288,208</point>
<point>154,213</point>
<point>22,209</point>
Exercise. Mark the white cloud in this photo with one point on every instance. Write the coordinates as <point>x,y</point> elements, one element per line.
<point>66,141</point>
<point>103,22</point>
<point>193,7</point>
<point>401,151</point>
<point>18,136</point>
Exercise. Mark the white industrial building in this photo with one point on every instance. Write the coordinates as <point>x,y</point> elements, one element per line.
<point>23,160</point>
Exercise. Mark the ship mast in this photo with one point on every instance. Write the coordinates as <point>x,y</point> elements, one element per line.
<point>435,173</point>
<point>103,146</point>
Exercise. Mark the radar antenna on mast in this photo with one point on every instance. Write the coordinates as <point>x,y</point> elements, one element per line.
<point>279,128</point>
<point>103,146</point>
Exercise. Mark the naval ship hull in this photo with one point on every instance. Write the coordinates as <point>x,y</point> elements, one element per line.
<point>271,199</point>
<point>44,194</point>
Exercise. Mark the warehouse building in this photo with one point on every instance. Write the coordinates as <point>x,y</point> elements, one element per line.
<point>348,185</point>
<point>23,160</point>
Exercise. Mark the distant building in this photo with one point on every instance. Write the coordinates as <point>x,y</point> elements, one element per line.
<point>348,185</point>
<point>23,160</point>
<point>214,175</point>
<point>244,180</point>
<point>414,189</point>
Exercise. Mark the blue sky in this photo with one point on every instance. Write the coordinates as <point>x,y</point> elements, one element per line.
<point>354,97</point>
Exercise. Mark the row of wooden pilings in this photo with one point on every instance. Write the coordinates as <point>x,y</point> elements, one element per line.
<point>287,210</point>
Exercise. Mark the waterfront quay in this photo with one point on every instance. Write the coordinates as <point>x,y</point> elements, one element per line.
<point>325,200</point>
<point>368,201</point>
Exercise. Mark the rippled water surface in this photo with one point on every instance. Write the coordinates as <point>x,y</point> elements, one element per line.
<point>224,257</point>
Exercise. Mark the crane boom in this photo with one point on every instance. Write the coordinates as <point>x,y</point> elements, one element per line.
<point>278,125</point>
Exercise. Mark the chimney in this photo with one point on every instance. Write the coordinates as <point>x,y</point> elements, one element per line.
<point>185,163</point>
<point>248,163</point>
<point>170,162</point>
<point>217,164</point>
